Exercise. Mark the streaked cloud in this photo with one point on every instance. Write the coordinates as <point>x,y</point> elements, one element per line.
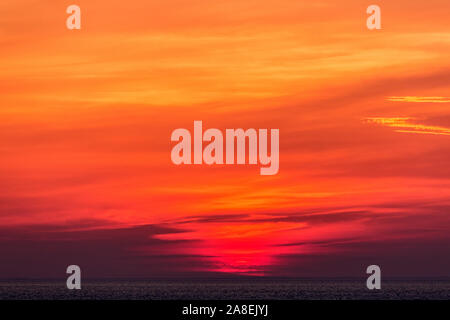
<point>420,99</point>
<point>408,125</point>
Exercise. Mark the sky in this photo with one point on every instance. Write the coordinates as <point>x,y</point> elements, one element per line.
<point>86,118</point>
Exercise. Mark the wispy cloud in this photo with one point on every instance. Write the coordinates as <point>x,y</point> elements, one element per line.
<point>420,99</point>
<point>408,125</point>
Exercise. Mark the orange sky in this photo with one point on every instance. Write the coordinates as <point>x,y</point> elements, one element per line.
<point>363,115</point>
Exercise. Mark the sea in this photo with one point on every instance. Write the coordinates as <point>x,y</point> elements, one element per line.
<point>236,289</point>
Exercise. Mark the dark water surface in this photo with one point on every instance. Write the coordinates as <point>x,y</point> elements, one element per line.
<point>225,289</point>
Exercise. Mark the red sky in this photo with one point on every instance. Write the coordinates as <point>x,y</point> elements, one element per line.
<point>86,118</point>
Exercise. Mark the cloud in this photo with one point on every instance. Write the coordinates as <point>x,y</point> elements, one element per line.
<point>408,125</point>
<point>420,99</point>
<point>429,259</point>
<point>106,251</point>
<point>294,244</point>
